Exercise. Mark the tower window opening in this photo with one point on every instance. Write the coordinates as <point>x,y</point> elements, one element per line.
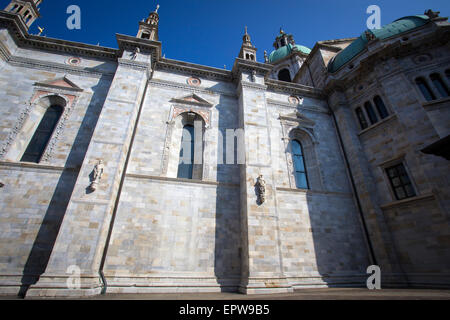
<point>145,35</point>
<point>284,75</point>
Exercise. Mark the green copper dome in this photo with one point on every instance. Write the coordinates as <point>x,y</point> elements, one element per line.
<point>397,27</point>
<point>285,51</point>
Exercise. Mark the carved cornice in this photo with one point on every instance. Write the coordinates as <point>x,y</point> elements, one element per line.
<point>135,65</point>
<point>242,65</point>
<point>193,69</point>
<point>294,88</point>
<point>58,67</point>
<point>276,103</point>
<point>177,85</point>
<point>18,30</point>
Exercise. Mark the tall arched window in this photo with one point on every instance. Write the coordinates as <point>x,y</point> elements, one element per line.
<point>284,75</point>
<point>186,165</point>
<point>301,178</point>
<point>439,84</point>
<point>425,89</point>
<point>371,113</point>
<point>43,133</point>
<point>381,107</point>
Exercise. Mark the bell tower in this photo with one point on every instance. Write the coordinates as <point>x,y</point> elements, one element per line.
<point>248,51</point>
<point>148,28</point>
<point>27,9</point>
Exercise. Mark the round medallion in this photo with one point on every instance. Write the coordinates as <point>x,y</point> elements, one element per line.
<point>192,81</point>
<point>74,61</point>
<point>294,100</point>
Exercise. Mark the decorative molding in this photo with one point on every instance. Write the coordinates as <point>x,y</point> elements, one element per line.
<point>276,103</point>
<point>41,91</point>
<point>192,99</point>
<point>57,67</point>
<point>294,89</point>
<point>370,130</point>
<point>135,65</point>
<point>194,70</point>
<point>36,166</point>
<point>177,85</point>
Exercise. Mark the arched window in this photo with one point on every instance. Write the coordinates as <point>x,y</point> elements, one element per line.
<point>186,165</point>
<point>439,84</point>
<point>381,107</point>
<point>371,112</point>
<point>13,9</point>
<point>361,118</point>
<point>284,75</point>
<point>301,178</point>
<point>145,35</point>
<point>43,133</point>
<point>425,89</point>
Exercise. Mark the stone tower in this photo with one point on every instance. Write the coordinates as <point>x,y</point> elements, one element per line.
<point>148,29</point>
<point>248,51</point>
<point>27,9</point>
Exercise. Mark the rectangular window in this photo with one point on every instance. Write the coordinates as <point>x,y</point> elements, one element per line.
<point>400,182</point>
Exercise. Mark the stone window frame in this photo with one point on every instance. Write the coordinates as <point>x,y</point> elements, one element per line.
<point>425,75</point>
<point>392,163</point>
<point>42,98</point>
<point>370,97</point>
<point>302,130</point>
<point>177,120</point>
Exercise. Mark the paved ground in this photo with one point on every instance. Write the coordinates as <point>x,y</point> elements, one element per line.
<point>305,294</point>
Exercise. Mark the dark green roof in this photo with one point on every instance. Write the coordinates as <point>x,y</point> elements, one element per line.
<point>285,51</point>
<point>356,47</point>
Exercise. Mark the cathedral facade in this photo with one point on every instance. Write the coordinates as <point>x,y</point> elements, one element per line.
<point>125,172</point>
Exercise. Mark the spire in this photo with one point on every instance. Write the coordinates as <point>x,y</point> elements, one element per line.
<point>148,28</point>
<point>248,51</point>
<point>27,9</point>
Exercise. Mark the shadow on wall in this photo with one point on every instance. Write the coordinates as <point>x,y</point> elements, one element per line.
<point>45,240</point>
<point>227,264</point>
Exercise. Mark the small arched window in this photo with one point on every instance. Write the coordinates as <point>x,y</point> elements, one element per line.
<point>371,112</point>
<point>425,89</point>
<point>13,9</point>
<point>284,75</point>
<point>301,178</point>
<point>145,35</point>
<point>42,136</point>
<point>186,164</point>
<point>439,84</point>
<point>381,107</point>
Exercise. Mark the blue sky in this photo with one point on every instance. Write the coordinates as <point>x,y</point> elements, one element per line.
<point>209,32</point>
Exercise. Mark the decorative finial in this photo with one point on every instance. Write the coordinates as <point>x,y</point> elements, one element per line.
<point>246,30</point>
<point>157,8</point>
<point>266,58</point>
<point>281,30</point>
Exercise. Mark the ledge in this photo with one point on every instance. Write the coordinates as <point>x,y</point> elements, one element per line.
<point>429,196</point>
<point>29,165</point>
<point>176,180</point>
<point>313,192</point>
<point>378,124</point>
<point>436,104</point>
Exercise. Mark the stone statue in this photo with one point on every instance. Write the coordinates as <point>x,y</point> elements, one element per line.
<point>97,175</point>
<point>261,189</point>
<point>266,57</point>
<point>253,76</point>
<point>135,53</point>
